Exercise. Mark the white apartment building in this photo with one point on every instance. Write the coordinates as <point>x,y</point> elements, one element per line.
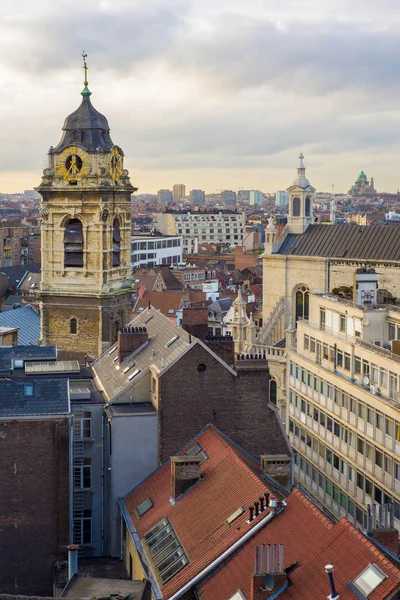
<point>224,228</point>
<point>153,251</point>
<point>343,416</point>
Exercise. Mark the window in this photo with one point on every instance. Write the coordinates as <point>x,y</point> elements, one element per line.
<point>83,528</point>
<point>378,458</point>
<point>369,579</point>
<point>166,550</point>
<point>361,410</point>
<point>308,207</point>
<point>302,303</point>
<point>83,426</point>
<point>73,244</point>
<point>357,364</point>
<point>374,374</point>
<point>312,345</point>
<point>116,246</point>
<point>296,206</point>
<point>144,507</point>
<point>322,318</point>
<point>384,378</point>
<point>28,390</point>
<point>306,342</point>
<point>73,326</point>
<point>83,474</point>
<point>342,323</point>
<point>347,361</point>
<point>325,351</point>
<point>339,358</point>
<point>391,331</point>
<point>389,427</point>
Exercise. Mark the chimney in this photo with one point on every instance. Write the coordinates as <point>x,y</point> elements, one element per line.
<point>385,534</point>
<point>129,340</point>
<point>269,577</point>
<point>333,595</point>
<point>72,560</point>
<point>185,472</point>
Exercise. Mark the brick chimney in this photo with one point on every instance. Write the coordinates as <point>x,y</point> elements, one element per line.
<point>384,533</point>
<point>269,577</point>
<point>185,472</point>
<point>130,339</point>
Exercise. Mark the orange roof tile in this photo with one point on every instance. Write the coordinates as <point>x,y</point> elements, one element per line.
<point>310,538</point>
<point>230,479</point>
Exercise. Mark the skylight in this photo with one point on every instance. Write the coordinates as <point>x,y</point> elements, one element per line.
<point>111,351</point>
<point>196,450</point>
<point>234,515</point>
<point>238,596</point>
<point>171,311</point>
<point>132,375</point>
<point>166,550</point>
<point>129,367</point>
<point>171,341</point>
<point>144,507</point>
<point>369,579</point>
<point>147,320</point>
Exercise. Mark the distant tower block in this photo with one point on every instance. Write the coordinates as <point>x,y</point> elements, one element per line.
<point>85,293</point>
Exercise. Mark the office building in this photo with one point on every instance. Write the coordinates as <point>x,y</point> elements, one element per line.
<point>152,251</point>
<point>228,198</point>
<point>224,228</point>
<point>256,198</point>
<point>281,198</point>
<point>197,197</point>
<point>178,191</point>
<point>164,197</point>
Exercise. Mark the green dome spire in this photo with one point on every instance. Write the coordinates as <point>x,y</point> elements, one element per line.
<point>362,175</point>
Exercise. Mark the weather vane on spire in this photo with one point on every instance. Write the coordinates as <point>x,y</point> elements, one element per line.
<point>86,91</point>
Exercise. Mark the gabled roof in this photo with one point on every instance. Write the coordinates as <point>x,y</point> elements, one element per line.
<point>312,540</point>
<point>374,242</point>
<point>29,282</point>
<point>167,301</point>
<point>27,319</point>
<point>50,397</point>
<point>230,479</point>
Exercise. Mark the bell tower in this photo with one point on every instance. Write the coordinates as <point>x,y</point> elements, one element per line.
<point>301,201</point>
<point>85,291</point>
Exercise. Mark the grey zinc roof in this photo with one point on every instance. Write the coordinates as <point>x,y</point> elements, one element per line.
<point>160,330</point>
<point>27,319</point>
<point>50,396</point>
<point>371,242</point>
<point>35,353</point>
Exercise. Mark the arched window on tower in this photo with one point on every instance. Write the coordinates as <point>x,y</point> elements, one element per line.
<point>302,303</point>
<point>296,206</point>
<point>73,326</point>
<point>116,244</point>
<point>308,206</point>
<point>73,244</point>
<point>272,391</point>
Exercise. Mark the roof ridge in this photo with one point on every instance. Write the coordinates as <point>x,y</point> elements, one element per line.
<point>318,513</point>
<point>370,544</point>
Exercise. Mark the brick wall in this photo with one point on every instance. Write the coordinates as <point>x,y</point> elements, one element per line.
<point>34,500</point>
<point>190,398</point>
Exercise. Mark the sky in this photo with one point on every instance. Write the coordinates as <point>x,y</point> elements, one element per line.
<point>210,93</point>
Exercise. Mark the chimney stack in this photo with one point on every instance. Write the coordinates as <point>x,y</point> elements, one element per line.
<point>185,472</point>
<point>72,560</point>
<point>269,578</point>
<point>129,340</point>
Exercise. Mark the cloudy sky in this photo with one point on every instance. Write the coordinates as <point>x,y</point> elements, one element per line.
<point>210,93</point>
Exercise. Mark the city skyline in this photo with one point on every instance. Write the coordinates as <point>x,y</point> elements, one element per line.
<point>216,97</point>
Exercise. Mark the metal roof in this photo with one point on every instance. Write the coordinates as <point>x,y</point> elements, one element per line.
<point>27,319</point>
<point>372,242</point>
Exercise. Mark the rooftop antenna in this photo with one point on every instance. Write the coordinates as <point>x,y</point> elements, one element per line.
<point>85,91</point>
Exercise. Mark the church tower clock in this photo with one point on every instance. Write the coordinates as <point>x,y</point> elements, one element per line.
<point>86,286</point>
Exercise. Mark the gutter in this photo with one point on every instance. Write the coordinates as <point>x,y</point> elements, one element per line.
<point>226,554</point>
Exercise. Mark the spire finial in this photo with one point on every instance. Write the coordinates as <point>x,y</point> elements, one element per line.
<point>301,160</point>
<point>85,91</point>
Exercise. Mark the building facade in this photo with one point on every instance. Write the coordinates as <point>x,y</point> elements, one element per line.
<point>228,197</point>
<point>343,415</point>
<point>164,197</point>
<point>224,228</point>
<point>197,197</point>
<point>281,198</point>
<point>19,246</point>
<point>85,293</point>
<point>178,191</point>
<point>256,198</point>
<point>153,251</point>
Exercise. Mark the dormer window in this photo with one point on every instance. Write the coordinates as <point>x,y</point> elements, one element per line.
<point>116,244</point>
<point>73,244</point>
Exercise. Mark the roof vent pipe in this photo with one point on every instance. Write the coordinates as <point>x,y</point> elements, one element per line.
<point>333,595</point>
<point>251,511</point>
<point>72,560</point>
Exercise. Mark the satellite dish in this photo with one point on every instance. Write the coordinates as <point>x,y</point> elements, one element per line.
<point>269,581</point>
<point>365,380</point>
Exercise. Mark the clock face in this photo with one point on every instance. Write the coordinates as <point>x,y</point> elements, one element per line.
<point>116,163</point>
<point>73,163</point>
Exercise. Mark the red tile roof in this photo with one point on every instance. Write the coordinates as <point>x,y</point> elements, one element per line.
<point>167,300</point>
<point>230,479</point>
<point>314,541</point>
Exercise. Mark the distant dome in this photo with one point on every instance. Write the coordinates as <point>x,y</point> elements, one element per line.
<point>362,175</point>
<point>86,127</point>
